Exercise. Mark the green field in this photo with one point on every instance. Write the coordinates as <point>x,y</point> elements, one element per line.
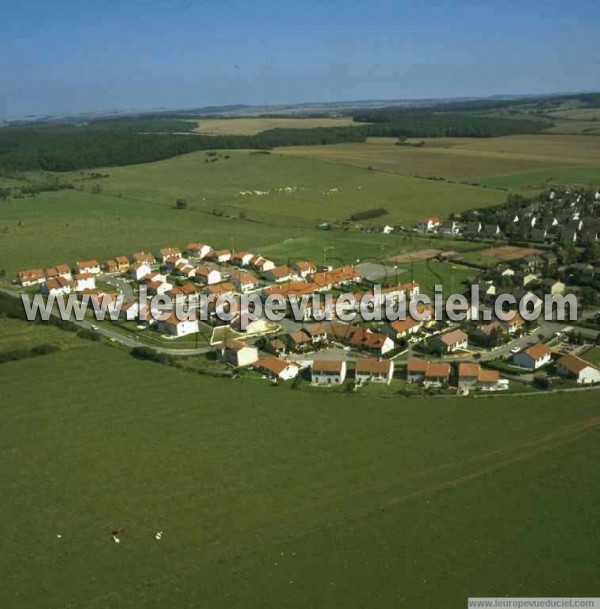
<point>490,162</point>
<point>15,334</point>
<point>134,209</point>
<point>270,497</point>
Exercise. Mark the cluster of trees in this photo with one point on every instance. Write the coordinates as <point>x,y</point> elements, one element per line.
<point>369,213</point>
<point>129,141</point>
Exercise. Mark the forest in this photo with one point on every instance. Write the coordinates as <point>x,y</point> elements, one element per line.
<point>131,140</point>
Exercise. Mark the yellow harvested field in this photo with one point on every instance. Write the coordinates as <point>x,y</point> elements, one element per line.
<point>463,159</point>
<point>252,126</point>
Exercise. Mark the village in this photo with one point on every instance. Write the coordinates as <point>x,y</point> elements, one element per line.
<point>503,352</point>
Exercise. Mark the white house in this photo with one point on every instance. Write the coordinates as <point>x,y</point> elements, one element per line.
<point>244,281</point>
<point>450,341</point>
<point>533,357</point>
<point>130,310</point>
<point>207,275</point>
<point>242,258</point>
<point>198,250</point>
<point>238,353</point>
<point>158,288</point>
<point>328,372</point>
<point>138,270</point>
<point>376,371</point>
<point>304,268</point>
<point>168,252</point>
<point>58,285</point>
<point>177,327</point>
<point>221,255</point>
<point>574,367</point>
<point>30,277</point>
<point>84,281</point>
<point>259,263</point>
<point>276,368</point>
<point>88,266</point>
<point>427,224</point>
<point>279,274</point>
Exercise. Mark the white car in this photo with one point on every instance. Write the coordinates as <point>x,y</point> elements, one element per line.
<point>515,349</point>
<point>95,328</point>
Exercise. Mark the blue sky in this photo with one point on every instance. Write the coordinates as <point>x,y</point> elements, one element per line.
<point>76,56</point>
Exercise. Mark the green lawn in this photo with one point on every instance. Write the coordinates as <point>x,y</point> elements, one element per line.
<point>270,497</point>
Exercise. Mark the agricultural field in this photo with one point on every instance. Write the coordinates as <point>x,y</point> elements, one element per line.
<point>280,501</point>
<point>134,209</point>
<point>512,162</point>
<point>254,125</point>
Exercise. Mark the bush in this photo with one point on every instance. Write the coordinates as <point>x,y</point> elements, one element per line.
<point>45,349</point>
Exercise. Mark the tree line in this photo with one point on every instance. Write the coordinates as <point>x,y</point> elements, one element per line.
<point>103,143</point>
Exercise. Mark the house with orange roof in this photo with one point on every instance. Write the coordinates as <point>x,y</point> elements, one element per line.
<point>168,252</point>
<point>279,274</point>
<point>158,288</point>
<point>244,281</point>
<point>512,322</point>
<point>533,357</point>
<point>84,281</point>
<point>30,277</point>
<point>241,258</point>
<point>403,328</point>
<point>237,353</point>
<point>449,342</point>
<point>260,263</point>
<point>119,264</point>
<point>60,270</point>
<point>57,285</point>
<point>425,225</point>
<point>220,289</point>
<point>488,380</point>
<point>304,268</point>
<point>468,375</point>
<point>373,370</point>
<point>363,338</point>
<point>577,368</point>
<point>430,374</point>
<point>276,368</point>
<point>208,275</point>
<point>221,255</point>
<point>198,250</point>
<point>88,266</point>
<point>472,376</point>
<point>178,327</point>
<point>143,257</point>
<point>343,275</point>
<point>326,373</point>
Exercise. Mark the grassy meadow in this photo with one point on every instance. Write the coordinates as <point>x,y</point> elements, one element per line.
<point>134,209</point>
<point>270,497</point>
<point>512,162</point>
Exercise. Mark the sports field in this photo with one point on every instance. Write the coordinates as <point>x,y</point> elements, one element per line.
<point>487,161</point>
<point>270,497</point>
<point>252,126</point>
